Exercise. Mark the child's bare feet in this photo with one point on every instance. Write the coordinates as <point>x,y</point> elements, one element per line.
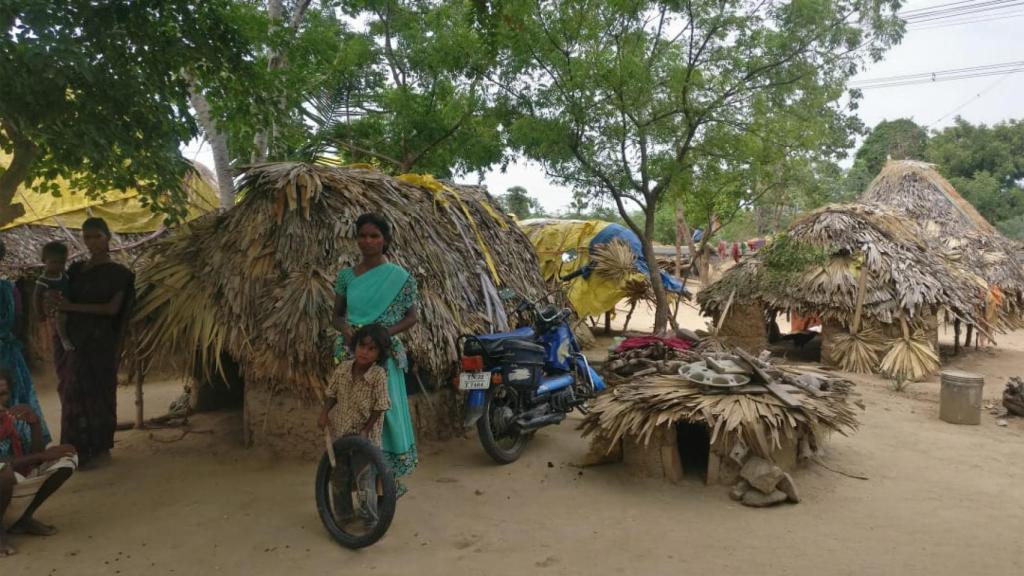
<point>32,527</point>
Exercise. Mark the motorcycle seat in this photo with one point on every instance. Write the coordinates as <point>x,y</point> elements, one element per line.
<point>525,333</point>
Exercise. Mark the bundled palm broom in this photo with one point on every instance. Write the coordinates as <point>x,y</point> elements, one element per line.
<point>911,358</point>
<point>858,350</point>
<point>614,260</point>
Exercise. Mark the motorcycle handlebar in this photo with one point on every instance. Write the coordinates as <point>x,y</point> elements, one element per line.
<point>571,275</point>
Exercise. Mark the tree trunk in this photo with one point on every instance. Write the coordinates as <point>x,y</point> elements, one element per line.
<point>24,155</point>
<point>261,141</point>
<point>218,143</point>
<point>661,299</point>
<point>680,227</point>
<point>696,256</point>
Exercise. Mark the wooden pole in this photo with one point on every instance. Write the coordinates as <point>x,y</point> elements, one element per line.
<point>140,377</point>
<point>970,333</point>
<point>629,315</point>
<point>956,337</point>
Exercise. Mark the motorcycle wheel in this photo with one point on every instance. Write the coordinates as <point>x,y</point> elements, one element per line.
<point>502,447</point>
<point>353,453</point>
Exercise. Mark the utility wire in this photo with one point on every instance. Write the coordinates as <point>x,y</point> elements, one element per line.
<point>936,74</point>
<point>970,9</point>
<point>940,79</point>
<point>979,20</point>
<point>973,98</point>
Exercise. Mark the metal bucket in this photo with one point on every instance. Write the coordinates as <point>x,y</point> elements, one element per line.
<point>960,397</point>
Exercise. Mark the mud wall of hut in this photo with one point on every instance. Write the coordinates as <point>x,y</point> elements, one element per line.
<point>280,421</point>
<point>744,326</point>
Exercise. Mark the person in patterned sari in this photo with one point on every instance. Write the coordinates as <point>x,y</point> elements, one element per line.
<point>376,291</point>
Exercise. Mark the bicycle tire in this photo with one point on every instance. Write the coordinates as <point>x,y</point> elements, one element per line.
<point>386,502</point>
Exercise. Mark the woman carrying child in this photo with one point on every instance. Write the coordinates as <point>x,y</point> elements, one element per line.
<point>376,291</point>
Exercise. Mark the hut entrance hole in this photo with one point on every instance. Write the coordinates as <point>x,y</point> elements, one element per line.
<point>693,440</point>
<point>212,390</point>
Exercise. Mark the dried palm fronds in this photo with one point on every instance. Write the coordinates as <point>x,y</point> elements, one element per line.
<point>638,290</point>
<point>858,352</point>
<point>918,191</point>
<point>614,260</point>
<point>907,276</point>
<point>256,283</point>
<point>639,408</point>
<point>911,358</point>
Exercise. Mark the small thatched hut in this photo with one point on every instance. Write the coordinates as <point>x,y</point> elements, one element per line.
<point>255,284</point>
<point>916,190</point>
<point>851,264</point>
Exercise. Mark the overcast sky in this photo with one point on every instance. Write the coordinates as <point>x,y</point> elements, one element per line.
<point>993,38</point>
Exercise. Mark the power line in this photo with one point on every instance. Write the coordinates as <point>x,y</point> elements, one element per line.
<point>973,98</point>
<point>940,79</point>
<point>936,6</point>
<point>977,20</point>
<point>936,74</point>
<point>969,9</point>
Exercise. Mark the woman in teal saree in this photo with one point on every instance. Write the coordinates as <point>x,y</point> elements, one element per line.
<point>378,291</point>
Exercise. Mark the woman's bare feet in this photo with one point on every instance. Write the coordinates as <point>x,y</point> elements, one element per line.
<point>5,548</point>
<point>32,527</point>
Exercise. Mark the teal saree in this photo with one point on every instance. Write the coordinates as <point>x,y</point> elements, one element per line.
<point>383,295</point>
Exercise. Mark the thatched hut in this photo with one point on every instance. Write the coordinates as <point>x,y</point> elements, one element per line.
<point>853,266</point>
<point>255,284</point>
<point>916,190</point>
<point>661,426</point>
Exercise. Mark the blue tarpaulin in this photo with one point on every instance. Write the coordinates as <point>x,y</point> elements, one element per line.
<point>613,231</point>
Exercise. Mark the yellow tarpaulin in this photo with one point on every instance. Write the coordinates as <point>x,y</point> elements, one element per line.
<point>122,209</point>
<point>550,238</point>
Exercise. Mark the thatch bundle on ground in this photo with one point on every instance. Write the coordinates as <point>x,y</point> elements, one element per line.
<point>256,283</point>
<point>649,410</point>
<point>916,190</point>
<point>855,266</point>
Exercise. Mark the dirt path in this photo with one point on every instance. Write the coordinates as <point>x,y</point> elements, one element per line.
<point>941,499</point>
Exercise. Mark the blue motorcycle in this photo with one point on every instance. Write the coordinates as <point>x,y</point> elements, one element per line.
<point>523,380</point>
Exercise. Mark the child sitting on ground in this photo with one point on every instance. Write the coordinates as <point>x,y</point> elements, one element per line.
<point>358,387</point>
<point>54,279</point>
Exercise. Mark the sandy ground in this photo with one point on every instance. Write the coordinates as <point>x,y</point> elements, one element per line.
<point>941,499</point>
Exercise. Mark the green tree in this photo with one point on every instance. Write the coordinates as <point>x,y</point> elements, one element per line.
<point>92,92</point>
<point>986,166</point>
<point>901,139</point>
<point>642,99</point>
<point>516,200</point>
<point>417,98</point>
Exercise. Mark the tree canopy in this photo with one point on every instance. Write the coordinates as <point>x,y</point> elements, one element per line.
<point>642,100</point>
<point>92,92</point>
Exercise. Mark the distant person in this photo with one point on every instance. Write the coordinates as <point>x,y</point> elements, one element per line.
<point>29,472</point>
<point>736,254</point>
<point>101,294</point>
<point>722,249</point>
<point>54,278</point>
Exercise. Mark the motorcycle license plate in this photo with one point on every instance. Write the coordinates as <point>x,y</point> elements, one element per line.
<point>474,380</point>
